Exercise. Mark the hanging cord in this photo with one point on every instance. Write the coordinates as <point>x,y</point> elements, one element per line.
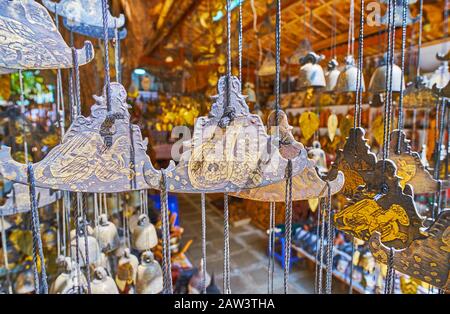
<point>203,264</point>
<point>117,53</point>
<point>77,246</point>
<point>318,239</point>
<point>105,8</point>
<point>83,209</point>
<point>37,240</point>
<point>5,255</point>
<point>271,259</point>
<point>390,275</point>
<point>437,163</point>
<point>333,32</point>
<point>240,42</point>
<point>330,244</point>
<point>59,88</point>
<point>351,29</point>
<point>350,290</point>
<point>76,68</point>
<point>167,268</point>
<point>226,246</point>
<point>419,44</point>
<point>288,226</point>
<point>359,78</point>
<point>402,90</point>
<point>277,60</point>
<point>321,248</point>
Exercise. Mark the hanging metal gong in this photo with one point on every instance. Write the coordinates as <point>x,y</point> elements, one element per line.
<point>347,81</point>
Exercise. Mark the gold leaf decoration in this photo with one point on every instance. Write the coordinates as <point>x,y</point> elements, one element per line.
<point>332,126</point>
<point>309,124</point>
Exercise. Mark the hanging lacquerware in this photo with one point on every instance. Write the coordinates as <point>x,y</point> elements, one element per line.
<point>332,75</point>
<point>144,236</point>
<point>230,150</point>
<point>84,163</point>
<point>30,39</point>
<point>126,271</point>
<point>106,234</point>
<point>426,258</point>
<point>377,83</point>
<point>382,205</point>
<point>268,66</point>
<point>409,165</point>
<point>85,17</point>
<point>102,283</point>
<point>311,73</point>
<point>347,81</point>
<point>398,17</point>
<point>18,199</point>
<point>93,248</point>
<point>305,185</point>
<point>67,280</point>
<point>149,278</point>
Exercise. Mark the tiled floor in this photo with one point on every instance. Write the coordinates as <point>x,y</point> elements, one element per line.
<point>248,247</point>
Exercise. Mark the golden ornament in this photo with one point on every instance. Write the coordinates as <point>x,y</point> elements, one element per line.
<point>309,124</point>
<point>332,126</point>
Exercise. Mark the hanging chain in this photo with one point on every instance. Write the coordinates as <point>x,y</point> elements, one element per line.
<point>203,264</point>
<point>402,90</point>
<point>37,240</point>
<point>167,267</point>
<point>288,226</point>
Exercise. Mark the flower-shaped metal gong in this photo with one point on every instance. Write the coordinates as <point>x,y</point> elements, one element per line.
<point>29,39</point>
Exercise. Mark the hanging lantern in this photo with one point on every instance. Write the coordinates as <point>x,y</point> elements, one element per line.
<point>268,66</point>
<point>398,17</point>
<point>377,83</point>
<point>149,275</point>
<point>311,73</point>
<point>102,283</point>
<point>332,75</point>
<point>107,236</point>
<point>347,81</point>
<point>144,235</point>
<point>440,77</point>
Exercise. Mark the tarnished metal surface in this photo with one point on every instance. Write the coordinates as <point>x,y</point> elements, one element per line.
<point>93,31</point>
<point>29,39</point>
<point>83,163</point>
<point>230,150</point>
<point>427,258</point>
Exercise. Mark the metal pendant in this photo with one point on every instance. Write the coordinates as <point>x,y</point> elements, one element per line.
<point>409,165</point>
<point>106,234</point>
<point>347,82</point>
<point>382,205</point>
<point>102,283</point>
<point>230,150</point>
<point>309,124</point>
<point>144,236</point>
<point>126,272</point>
<point>30,39</point>
<point>377,84</point>
<point>149,275</point>
<point>83,162</point>
<point>311,73</point>
<point>426,258</point>
<point>18,199</point>
<point>332,75</point>
<point>306,185</point>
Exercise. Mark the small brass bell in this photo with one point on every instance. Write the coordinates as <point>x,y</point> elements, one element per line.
<point>311,73</point>
<point>107,236</point>
<point>126,271</point>
<point>92,245</point>
<point>318,155</point>
<point>332,75</point>
<point>377,83</point>
<point>67,280</point>
<point>149,275</point>
<point>144,235</point>
<point>102,283</point>
<point>347,81</point>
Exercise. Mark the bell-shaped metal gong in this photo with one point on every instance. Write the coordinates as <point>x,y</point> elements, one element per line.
<point>144,235</point>
<point>90,242</point>
<point>377,84</point>
<point>67,280</point>
<point>102,283</point>
<point>268,66</point>
<point>305,185</point>
<point>426,258</point>
<point>409,165</point>
<point>230,150</point>
<point>332,75</point>
<point>347,81</point>
<point>311,73</point>
<point>30,39</point>
<point>18,199</point>
<point>106,234</point>
<point>398,16</point>
<point>149,275</point>
<point>85,17</point>
<point>382,205</point>
<point>84,163</point>
<point>126,271</point>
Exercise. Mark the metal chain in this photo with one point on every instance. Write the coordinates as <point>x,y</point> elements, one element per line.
<point>288,226</point>
<point>167,267</point>
<point>37,240</point>
<point>203,265</point>
<point>226,246</point>
<point>105,8</point>
<point>402,90</point>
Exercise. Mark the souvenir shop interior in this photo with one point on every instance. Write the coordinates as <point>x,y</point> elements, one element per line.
<point>224,146</point>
